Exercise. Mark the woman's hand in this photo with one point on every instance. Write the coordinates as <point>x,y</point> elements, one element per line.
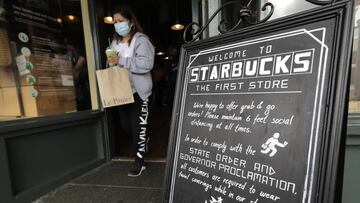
<point>113,59</point>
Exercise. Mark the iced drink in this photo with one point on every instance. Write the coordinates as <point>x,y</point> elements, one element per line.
<point>111,53</point>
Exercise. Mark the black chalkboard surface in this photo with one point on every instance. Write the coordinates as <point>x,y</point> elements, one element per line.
<point>259,113</point>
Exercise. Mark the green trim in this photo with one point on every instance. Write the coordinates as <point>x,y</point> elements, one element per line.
<point>353,126</point>
<point>36,192</point>
<point>5,183</point>
<point>70,119</point>
<point>353,141</point>
<point>14,134</point>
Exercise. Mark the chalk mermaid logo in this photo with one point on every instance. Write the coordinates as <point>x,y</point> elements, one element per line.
<point>213,200</point>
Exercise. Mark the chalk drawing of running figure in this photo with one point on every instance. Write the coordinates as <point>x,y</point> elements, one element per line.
<point>271,144</point>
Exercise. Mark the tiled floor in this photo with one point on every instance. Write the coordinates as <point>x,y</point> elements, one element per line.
<point>110,184</point>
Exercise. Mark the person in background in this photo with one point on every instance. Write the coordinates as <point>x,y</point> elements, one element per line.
<point>80,74</point>
<point>135,53</point>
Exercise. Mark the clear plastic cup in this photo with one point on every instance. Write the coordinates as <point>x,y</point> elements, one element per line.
<point>109,54</point>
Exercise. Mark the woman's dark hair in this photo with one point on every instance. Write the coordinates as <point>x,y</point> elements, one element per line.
<point>126,12</point>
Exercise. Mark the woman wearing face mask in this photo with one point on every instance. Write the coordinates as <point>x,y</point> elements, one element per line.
<point>135,53</point>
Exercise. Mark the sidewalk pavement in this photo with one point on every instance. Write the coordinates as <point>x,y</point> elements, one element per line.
<point>110,184</point>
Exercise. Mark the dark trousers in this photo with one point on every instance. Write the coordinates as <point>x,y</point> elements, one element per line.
<point>136,116</point>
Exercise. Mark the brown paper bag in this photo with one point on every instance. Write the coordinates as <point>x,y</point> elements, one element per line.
<point>114,87</point>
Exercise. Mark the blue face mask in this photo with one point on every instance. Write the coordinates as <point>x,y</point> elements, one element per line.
<point>122,28</point>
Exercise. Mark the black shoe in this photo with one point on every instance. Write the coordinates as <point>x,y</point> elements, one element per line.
<point>136,170</point>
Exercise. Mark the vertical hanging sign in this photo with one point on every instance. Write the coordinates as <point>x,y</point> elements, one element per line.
<point>253,115</point>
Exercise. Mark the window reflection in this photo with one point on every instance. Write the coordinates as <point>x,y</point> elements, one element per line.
<point>354,104</point>
<point>43,68</point>
<point>288,7</point>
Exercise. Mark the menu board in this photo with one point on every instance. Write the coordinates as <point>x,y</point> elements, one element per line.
<point>250,117</point>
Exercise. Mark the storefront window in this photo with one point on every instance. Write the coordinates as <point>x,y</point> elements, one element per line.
<point>230,14</point>
<point>288,7</point>
<point>354,104</point>
<point>43,65</point>
<point>227,17</point>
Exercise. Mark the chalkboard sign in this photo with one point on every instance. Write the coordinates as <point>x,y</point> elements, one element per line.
<point>259,113</point>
